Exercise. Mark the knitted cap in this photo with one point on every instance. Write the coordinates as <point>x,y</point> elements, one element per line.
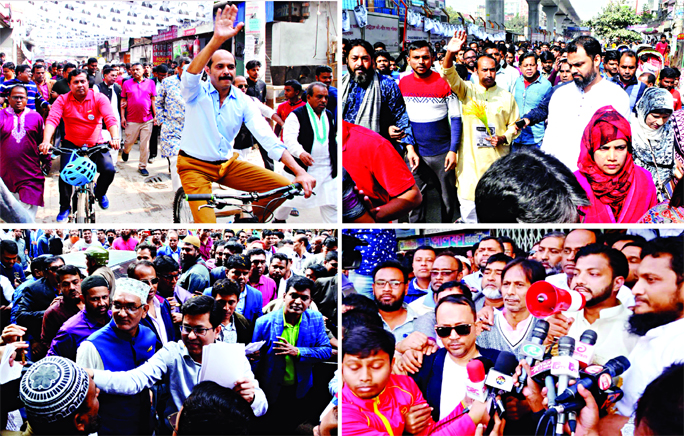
<point>98,253</point>
<point>194,240</point>
<point>134,287</point>
<point>53,388</point>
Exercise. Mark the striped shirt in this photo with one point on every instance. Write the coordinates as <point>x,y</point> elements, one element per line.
<point>31,88</point>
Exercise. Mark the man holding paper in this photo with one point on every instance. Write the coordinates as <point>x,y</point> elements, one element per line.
<point>182,361</point>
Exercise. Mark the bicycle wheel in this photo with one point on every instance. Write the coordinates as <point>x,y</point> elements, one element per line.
<point>81,207</point>
<point>181,208</point>
<point>91,205</point>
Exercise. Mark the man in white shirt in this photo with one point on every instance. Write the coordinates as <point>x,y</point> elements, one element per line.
<point>300,254</point>
<point>658,318</point>
<point>85,242</point>
<point>488,245</point>
<point>550,252</point>
<point>446,268</point>
<point>572,106</point>
<point>112,90</point>
<point>599,274</point>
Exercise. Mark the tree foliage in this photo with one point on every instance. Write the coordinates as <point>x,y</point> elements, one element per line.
<point>646,15</point>
<point>454,18</point>
<point>516,24</point>
<point>611,23</point>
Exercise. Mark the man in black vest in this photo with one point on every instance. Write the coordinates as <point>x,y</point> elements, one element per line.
<point>112,90</point>
<point>310,137</point>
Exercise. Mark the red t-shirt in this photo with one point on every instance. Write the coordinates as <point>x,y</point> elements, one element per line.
<point>661,48</point>
<point>677,99</point>
<point>82,120</point>
<point>374,164</point>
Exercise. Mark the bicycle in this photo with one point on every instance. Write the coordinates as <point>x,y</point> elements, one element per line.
<point>80,173</point>
<point>241,213</point>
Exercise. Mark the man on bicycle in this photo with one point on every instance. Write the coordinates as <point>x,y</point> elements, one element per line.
<point>83,111</point>
<point>215,110</point>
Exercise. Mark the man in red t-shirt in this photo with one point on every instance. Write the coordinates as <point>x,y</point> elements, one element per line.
<point>662,47</point>
<point>292,91</point>
<point>380,174</point>
<point>668,76</point>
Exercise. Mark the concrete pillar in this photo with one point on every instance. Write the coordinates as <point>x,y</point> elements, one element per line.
<point>532,18</point>
<point>559,22</point>
<point>494,11</point>
<point>550,12</point>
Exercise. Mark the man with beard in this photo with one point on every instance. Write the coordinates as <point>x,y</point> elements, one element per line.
<point>297,341</point>
<point>206,147</point>
<point>69,279</point>
<point>121,345</point>
<point>572,106</point>
<point>435,116</point>
<point>599,273</point>
<point>657,319</point>
<point>446,268</point>
<point>382,62</point>
<point>391,121</point>
<point>125,241</point>
<point>668,77</point>
<point>550,251</point>
<point>470,62</point>
<point>491,295</point>
<point>250,300</point>
<point>389,289</point>
<point>488,246</point>
<point>95,315</point>
<point>575,240</point>
<point>158,317</point>
<point>59,398</point>
<point>37,297</point>
<point>195,277</point>
<point>180,362</point>
<point>423,259</point>
<point>171,249</point>
<point>96,264</point>
<point>280,271</point>
<point>481,145</point>
<point>257,280</point>
<point>626,77</point>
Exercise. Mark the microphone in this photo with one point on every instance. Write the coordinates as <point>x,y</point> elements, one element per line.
<point>584,350</point>
<point>500,379</point>
<point>475,385</point>
<point>564,366</point>
<point>533,349</point>
<point>595,378</point>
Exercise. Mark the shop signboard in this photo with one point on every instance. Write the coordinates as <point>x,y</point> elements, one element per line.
<point>444,241</point>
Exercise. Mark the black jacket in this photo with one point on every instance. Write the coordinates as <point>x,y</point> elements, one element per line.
<point>31,306</point>
<point>306,137</point>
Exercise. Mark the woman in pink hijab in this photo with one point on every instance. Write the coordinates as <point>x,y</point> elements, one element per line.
<point>619,190</point>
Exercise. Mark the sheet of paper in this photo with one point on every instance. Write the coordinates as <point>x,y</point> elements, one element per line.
<point>7,372</point>
<point>222,363</point>
<point>253,346</point>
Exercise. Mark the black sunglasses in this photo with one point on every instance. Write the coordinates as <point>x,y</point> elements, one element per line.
<point>461,330</point>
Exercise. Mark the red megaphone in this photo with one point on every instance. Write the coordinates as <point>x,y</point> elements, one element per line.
<point>543,299</point>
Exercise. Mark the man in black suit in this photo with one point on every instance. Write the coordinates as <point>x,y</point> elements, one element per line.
<point>112,90</point>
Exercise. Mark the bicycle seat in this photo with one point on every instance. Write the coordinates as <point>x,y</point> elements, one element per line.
<point>79,171</point>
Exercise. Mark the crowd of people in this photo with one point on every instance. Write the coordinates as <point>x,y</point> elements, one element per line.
<point>511,132</point>
<point>131,315</point>
<point>69,105</point>
<point>413,320</point>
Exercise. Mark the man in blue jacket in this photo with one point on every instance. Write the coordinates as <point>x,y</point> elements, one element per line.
<point>295,340</point>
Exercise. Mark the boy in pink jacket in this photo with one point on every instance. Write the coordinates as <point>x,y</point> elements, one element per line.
<point>376,402</point>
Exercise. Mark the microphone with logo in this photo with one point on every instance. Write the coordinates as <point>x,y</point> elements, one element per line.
<point>533,349</point>
<point>475,385</point>
<point>500,381</point>
<point>564,367</point>
<point>584,350</point>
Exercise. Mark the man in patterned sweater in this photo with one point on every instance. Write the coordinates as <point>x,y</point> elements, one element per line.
<point>435,115</point>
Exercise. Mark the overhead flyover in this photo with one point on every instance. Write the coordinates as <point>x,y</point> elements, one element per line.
<point>560,14</point>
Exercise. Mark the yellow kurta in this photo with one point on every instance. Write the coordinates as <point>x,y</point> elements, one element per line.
<point>502,113</point>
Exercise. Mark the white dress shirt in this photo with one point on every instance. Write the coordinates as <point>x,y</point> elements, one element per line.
<point>570,110</point>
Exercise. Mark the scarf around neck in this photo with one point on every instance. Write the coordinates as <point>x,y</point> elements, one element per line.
<point>369,111</point>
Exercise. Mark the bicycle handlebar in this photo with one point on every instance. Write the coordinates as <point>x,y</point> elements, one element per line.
<point>82,151</point>
<point>294,189</point>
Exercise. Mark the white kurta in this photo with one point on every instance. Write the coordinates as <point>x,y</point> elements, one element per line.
<point>570,110</point>
<point>321,170</point>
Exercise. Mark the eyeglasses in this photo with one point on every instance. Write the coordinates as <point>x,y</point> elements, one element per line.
<point>393,283</point>
<point>129,308</point>
<point>199,331</point>
<point>242,86</point>
<point>150,282</point>
<point>169,276</point>
<point>461,330</point>
<point>443,273</point>
<point>295,296</point>
<point>240,273</point>
<point>55,268</point>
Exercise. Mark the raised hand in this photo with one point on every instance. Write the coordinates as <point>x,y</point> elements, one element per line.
<point>224,26</point>
<point>457,42</point>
